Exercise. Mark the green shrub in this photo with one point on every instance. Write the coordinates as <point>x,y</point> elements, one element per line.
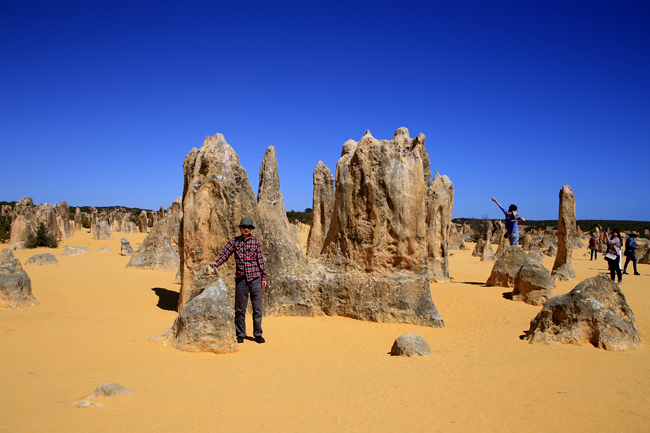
<point>41,238</point>
<point>85,221</point>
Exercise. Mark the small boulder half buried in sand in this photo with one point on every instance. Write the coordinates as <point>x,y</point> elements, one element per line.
<point>73,250</point>
<point>410,345</point>
<point>105,390</point>
<point>45,259</point>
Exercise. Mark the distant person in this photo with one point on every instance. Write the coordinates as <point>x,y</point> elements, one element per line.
<point>593,246</point>
<point>250,278</point>
<point>630,252</point>
<point>613,255</point>
<point>512,222</point>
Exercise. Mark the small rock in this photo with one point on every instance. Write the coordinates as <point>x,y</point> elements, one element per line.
<point>410,345</point>
<point>73,251</point>
<point>110,390</point>
<point>45,259</point>
<point>104,250</point>
<point>127,249</point>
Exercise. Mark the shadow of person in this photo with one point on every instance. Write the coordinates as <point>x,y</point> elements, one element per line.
<point>167,299</point>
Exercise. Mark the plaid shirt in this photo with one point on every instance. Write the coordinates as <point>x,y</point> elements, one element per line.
<point>248,257</point>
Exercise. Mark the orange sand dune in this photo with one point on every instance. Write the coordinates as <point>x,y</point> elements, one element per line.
<point>328,374</point>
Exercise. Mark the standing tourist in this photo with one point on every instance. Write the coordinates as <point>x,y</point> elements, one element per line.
<point>613,255</point>
<point>630,252</point>
<point>250,278</point>
<point>593,246</point>
<point>512,219</point>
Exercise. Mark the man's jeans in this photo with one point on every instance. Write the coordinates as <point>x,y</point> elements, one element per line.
<point>630,258</point>
<point>242,290</point>
<point>514,238</point>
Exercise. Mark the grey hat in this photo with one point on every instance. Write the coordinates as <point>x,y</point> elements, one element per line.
<point>246,221</point>
<point>633,233</point>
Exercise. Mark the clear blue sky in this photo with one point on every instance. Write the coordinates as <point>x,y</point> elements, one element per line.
<point>101,101</point>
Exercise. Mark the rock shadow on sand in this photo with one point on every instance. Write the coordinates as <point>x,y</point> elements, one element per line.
<point>167,299</point>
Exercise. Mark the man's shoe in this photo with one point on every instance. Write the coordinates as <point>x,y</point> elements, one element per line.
<point>619,283</point>
<point>259,339</point>
<point>636,273</point>
<point>625,273</point>
<point>240,339</point>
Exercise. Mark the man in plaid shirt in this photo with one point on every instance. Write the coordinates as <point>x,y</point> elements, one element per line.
<point>250,277</point>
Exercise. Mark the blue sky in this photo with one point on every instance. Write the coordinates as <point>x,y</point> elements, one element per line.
<point>100,101</point>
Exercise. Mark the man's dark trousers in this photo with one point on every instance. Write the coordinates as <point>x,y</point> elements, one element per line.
<point>242,289</point>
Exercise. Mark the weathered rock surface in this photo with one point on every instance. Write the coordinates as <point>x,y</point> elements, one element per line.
<point>126,249</point>
<point>63,220</point>
<point>566,236</point>
<point>488,253</point>
<point>526,242</point>
<point>15,284</point>
<point>550,251</point>
<point>104,250</point>
<point>506,267</point>
<point>282,251</point>
<point>143,223</point>
<point>159,250</point>
<point>206,322</point>
<point>410,345</point>
<point>322,208</point>
<point>373,264</point>
<point>73,251</point>
<point>20,230</point>
<point>379,218</point>
<point>533,284</point>
<point>45,259</point>
<point>110,390</point>
<point>535,256</point>
<point>216,195</point>
<point>77,219</point>
<point>595,312</point>
<point>102,231</point>
<point>401,297</point>
<point>478,248</point>
<point>440,205</point>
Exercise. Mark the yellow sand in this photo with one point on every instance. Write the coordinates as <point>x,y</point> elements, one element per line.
<point>328,374</point>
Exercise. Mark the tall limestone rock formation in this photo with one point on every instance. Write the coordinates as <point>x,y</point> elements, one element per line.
<point>487,253</point>
<point>63,220</point>
<point>566,236</point>
<point>281,245</point>
<point>379,218</point>
<point>440,204</point>
<point>322,208</point>
<point>216,195</point>
<point>374,261</point>
<point>143,222</point>
<point>377,242</point>
<point>77,219</point>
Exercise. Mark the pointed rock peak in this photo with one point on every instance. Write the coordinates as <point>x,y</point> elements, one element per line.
<point>367,134</point>
<point>322,172</point>
<point>420,138</point>
<point>402,133</point>
<point>349,146</point>
<point>269,186</point>
<point>215,139</point>
<point>566,190</point>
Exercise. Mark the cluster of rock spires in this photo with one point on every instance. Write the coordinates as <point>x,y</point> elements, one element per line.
<point>379,232</point>
<point>26,217</point>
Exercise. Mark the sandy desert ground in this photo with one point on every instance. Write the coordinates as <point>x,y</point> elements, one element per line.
<point>328,374</point>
